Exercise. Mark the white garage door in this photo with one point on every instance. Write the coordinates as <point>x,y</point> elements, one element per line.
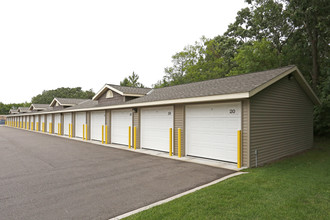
<point>80,121</point>
<point>67,117</point>
<point>120,121</point>
<point>211,130</point>
<point>57,120</point>
<point>42,120</point>
<point>49,120</point>
<point>97,120</point>
<point>155,125</point>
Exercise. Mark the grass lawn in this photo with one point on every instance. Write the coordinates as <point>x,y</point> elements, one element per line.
<point>294,188</point>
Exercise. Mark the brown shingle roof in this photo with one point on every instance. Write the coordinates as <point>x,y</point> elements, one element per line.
<point>70,101</point>
<point>40,105</point>
<point>86,104</point>
<point>221,86</point>
<point>131,90</point>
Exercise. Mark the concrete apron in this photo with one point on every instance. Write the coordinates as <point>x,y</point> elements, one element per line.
<point>203,161</point>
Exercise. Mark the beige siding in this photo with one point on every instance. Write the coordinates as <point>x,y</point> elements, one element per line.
<point>179,122</point>
<point>281,121</point>
<point>73,124</point>
<point>88,123</point>
<point>108,123</point>
<point>136,123</point>
<point>116,99</point>
<point>245,132</point>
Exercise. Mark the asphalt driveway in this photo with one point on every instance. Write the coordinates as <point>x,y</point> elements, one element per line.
<point>47,177</point>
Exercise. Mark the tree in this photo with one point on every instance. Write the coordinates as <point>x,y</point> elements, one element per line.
<point>132,81</point>
<point>47,96</point>
<point>4,108</point>
<point>257,56</point>
<point>311,17</point>
<point>265,35</point>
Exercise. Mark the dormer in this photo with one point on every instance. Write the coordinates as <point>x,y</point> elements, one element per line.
<point>114,94</point>
<point>23,109</point>
<point>61,103</point>
<point>38,107</point>
<point>13,111</point>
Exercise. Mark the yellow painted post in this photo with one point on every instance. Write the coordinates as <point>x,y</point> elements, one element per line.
<point>37,128</point>
<point>71,131</point>
<point>86,133</point>
<point>43,126</point>
<point>83,131</point>
<point>170,150</point>
<point>134,138</point>
<point>102,134</point>
<point>179,142</point>
<point>106,134</point>
<point>129,137</point>
<point>239,159</point>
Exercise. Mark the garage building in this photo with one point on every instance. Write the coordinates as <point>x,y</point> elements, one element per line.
<point>273,109</point>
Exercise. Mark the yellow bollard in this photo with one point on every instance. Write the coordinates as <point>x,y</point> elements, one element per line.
<point>102,134</point>
<point>43,126</point>
<point>86,133</point>
<point>83,132</point>
<point>37,128</point>
<point>170,150</point>
<point>134,138</point>
<point>71,131</point>
<point>106,134</point>
<point>179,142</point>
<point>239,159</point>
<point>129,137</point>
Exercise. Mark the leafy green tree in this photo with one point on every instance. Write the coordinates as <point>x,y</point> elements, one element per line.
<point>4,108</point>
<point>257,56</point>
<point>132,81</point>
<point>264,19</point>
<point>47,96</point>
<point>311,18</point>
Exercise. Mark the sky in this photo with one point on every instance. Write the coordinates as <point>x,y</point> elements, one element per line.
<point>47,44</point>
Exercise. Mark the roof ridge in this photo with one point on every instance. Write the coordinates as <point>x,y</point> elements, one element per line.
<point>226,77</point>
<point>128,86</point>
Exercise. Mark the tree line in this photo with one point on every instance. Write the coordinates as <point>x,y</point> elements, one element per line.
<point>267,34</point>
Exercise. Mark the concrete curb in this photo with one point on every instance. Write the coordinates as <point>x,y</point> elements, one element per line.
<point>176,196</point>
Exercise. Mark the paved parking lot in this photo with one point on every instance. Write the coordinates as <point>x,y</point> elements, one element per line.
<point>47,177</point>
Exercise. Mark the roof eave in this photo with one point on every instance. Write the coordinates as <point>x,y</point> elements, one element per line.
<point>301,80</point>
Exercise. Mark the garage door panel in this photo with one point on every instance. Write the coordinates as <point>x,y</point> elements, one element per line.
<point>49,120</point>
<point>67,120</point>
<point>120,121</point>
<point>155,125</point>
<point>97,121</point>
<point>211,130</point>
<point>57,120</point>
<point>80,121</point>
